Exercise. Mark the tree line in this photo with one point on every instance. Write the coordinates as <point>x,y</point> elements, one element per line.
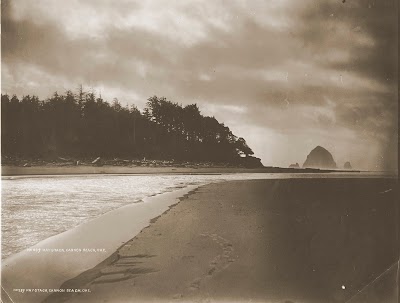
<point>84,125</point>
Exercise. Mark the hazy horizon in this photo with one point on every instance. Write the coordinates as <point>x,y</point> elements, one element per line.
<point>286,76</point>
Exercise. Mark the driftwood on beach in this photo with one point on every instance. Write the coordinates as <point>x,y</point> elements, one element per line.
<point>99,161</point>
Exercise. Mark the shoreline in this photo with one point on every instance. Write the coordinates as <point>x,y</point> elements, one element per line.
<point>78,187</point>
<point>61,257</point>
<point>230,252</point>
<point>206,212</point>
<point>9,171</point>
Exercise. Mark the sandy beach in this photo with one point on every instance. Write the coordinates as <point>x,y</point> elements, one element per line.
<point>53,170</point>
<point>61,257</point>
<point>199,151</point>
<point>294,240</point>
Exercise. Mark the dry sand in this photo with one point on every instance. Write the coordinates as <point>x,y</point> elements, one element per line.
<point>295,240</point>
<point>8,170</point>
<point>76,170</point>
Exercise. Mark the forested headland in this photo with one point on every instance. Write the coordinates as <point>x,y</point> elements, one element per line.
<point>84,125</point>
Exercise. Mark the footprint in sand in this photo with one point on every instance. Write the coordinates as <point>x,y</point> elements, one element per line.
<point>219,263</point>
<point>195,284</point>
<point>124,268</point>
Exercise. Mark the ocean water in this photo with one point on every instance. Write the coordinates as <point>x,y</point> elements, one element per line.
<point>35,208</point>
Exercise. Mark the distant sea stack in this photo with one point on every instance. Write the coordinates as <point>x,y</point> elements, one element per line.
<point>294,165</point>
<point>319,157</point>
<point>347,165</point>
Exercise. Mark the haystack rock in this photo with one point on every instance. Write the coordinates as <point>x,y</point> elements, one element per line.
<point>347,165</point>
<point>319,157</point>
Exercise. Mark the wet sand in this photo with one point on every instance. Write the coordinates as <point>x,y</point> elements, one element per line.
<point>59,258</point>
<point>295,240</point>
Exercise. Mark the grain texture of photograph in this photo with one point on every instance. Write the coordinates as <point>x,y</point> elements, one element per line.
<point>199,151</point>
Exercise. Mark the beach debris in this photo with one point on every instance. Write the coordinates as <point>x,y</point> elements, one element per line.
<point>100,161</point>
<point>64,159</point>
<point>95,161</point>
<point>386,191</point>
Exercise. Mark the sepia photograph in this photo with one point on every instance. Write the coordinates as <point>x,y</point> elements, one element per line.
<point>199,151</point>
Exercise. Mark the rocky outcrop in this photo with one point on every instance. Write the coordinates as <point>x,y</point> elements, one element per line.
<point>319,157</point>
<point>294,165</point>
<point>347,165</point>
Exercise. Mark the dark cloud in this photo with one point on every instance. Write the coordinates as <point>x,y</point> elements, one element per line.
<point>377,20</point>
<point>301,66</point>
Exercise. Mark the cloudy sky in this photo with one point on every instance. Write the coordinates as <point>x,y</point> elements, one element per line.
<point>287,75</point>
